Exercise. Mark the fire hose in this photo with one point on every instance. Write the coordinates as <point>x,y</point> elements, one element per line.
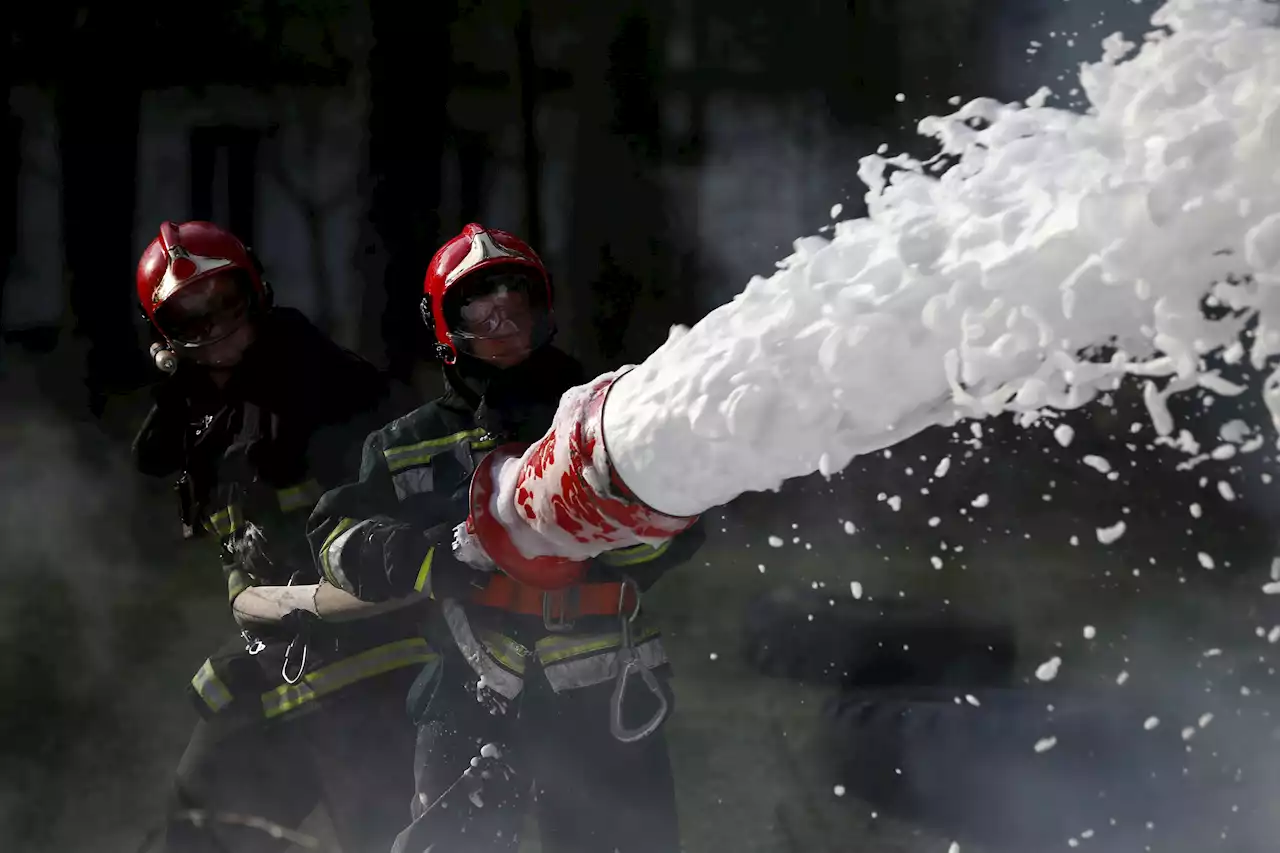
<point>541,511</point>
<point>269,605</point>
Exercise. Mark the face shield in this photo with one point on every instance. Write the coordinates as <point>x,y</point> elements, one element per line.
<point>207,311</point>
<point>500,318</point>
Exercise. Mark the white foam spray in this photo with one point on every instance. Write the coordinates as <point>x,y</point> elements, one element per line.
<point>993,286</point>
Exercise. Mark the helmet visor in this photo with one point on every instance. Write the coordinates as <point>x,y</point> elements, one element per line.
<point>206,311</point>
<point>501,318</point>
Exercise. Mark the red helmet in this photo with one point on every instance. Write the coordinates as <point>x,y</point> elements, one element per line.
<point>475,251</point>
<point>186,253</point>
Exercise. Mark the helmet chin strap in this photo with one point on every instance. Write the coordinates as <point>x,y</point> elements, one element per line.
<point>472,377</point>
<point>469,378</point>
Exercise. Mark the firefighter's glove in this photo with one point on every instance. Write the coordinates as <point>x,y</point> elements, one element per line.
<point>491,700</point>
<point>490,782</point>
<point>251,552</point>
<point>468,550</point>
<point>300,624</point>
<point>296,624</point>
<point>452,577</point>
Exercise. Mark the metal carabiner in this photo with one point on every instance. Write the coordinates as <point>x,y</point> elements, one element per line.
<point>252,644</point>
<point>302,666</point>
<point>628,662</point>
<point>288,652</point>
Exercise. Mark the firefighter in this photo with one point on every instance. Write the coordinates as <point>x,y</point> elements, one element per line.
<point>523,702</point>
<point>259,414</point>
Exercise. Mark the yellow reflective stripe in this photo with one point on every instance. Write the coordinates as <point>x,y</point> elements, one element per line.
<point>553,649</point>
<point>424,571</point>
<point>506,651</point>
<point>634,555</point>
<point>237,582</point>
<point>408,455</point>
<point>343,525</point>
<point>301,496</point>
<point>329,679</point>
<point>210,688</point>
<point>225,521</point>
<point>588,670</point>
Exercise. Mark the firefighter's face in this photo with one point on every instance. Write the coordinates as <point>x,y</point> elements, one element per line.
<point>208,321</point>
<point>498,327</point>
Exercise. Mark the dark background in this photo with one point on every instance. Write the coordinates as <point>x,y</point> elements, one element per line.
<point>657,154</point>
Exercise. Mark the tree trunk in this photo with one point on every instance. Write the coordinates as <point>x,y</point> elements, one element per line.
<point>10,163</point>
<point>860,54</point>
<point>621,247</point>
<point>238,149</point>
<point>474,154</point>
<point>529,72</point>
<point>409,69</point>
<point>98,118</point>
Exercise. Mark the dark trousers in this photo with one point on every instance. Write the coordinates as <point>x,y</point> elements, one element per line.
<point>353,754</point>
<point>591,792</point>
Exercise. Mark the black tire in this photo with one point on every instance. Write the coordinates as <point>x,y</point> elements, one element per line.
<point>973,773</point>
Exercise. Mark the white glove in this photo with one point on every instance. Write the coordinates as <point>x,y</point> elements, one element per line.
<point>467,549</point>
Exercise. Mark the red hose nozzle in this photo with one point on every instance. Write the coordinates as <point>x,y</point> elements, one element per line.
<point>566,495</point>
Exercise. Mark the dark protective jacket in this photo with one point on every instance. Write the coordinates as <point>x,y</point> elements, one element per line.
<point>389,534</point>
<point>255,455</point>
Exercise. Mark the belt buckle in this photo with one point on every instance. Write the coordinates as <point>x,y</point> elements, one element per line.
<point>561,623</point>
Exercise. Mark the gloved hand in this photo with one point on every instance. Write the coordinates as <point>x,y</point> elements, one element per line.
<point>250,551</point>
<point>491,700</point>
<point>296,624</point>
<point>300,624</point>
<point>468,550</point>
<point>460,565</point>
<point>490,781</point>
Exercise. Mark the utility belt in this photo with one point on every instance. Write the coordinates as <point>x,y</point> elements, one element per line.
<point>559,610</point>
<point>569,659</point>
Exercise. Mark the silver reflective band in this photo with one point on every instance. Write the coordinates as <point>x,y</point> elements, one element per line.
<point>599,668</point>
<point>210,688</point>
<point>333,556</point>
<point>505,683</point>
<point>414,481</point>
